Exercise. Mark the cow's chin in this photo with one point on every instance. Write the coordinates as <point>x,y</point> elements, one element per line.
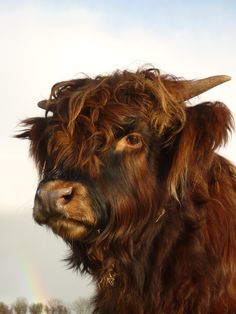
<point>68,229</point>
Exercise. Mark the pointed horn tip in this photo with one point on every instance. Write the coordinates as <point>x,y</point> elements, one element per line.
<point>224,78</point>
<point>42,104</point>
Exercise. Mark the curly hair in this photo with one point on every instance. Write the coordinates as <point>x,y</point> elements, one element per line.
<point>131,181</point>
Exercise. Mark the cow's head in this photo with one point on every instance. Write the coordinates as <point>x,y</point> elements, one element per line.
<point>111,151</point>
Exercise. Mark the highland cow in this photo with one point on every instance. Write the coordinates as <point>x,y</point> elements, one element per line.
<point>131,181</point>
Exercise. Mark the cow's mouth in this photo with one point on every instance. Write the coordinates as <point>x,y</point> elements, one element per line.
<point>64,207</point>
<point>69,229</point>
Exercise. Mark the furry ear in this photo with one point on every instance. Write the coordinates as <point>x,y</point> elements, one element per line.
<point>212,123</point>
<point>206,128</point>
<point>35,130</point>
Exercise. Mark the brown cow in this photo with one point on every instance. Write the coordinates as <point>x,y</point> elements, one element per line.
<point>131,181</point>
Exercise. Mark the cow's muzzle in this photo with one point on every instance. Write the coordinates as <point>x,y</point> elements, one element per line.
<point>51,200</point>
<point>65,206</point>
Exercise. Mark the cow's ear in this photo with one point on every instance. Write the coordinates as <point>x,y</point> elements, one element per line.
<point>206,128</point>
<point>211,124</point>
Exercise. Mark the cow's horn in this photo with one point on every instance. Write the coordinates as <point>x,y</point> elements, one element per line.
<point>197,87</point>
<point>43,104</point>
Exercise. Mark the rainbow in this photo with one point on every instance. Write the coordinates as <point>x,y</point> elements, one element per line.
<point>30,285</point>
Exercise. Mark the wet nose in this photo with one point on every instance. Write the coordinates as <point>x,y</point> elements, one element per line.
<point>50,199</point>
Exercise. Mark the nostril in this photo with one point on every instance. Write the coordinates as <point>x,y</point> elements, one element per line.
<point>67,197</point>
<point>63,196</point>
<point>50,199</point>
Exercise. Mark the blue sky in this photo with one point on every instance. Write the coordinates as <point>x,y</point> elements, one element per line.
<point>167,15</point>
<point>43,42</point>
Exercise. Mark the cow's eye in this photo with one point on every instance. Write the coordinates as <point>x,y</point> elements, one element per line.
<point>133,139</point>
<point>130,141</point>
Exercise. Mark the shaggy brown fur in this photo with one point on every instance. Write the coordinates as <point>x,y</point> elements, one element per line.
<point>142,199</point>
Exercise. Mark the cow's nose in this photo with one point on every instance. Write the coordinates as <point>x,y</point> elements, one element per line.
<point>50,200</point>
<point>54,199</point>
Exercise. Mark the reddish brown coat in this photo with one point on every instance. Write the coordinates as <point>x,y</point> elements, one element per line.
<point>157,229</point>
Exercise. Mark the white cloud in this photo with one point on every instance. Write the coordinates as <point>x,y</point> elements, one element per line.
<point>39,48</point>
